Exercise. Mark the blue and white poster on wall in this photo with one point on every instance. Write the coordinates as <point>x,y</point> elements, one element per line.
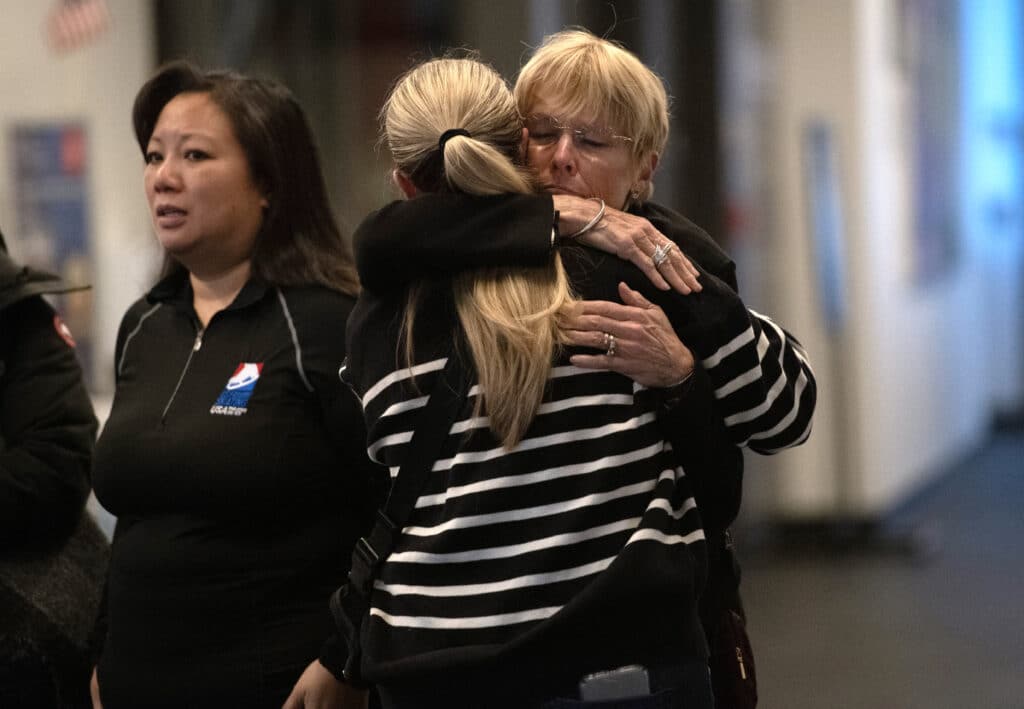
<point>49,162</point>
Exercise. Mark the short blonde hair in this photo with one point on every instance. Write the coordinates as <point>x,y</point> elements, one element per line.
<point>591,76</point>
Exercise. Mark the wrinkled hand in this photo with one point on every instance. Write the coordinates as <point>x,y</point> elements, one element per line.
<point>629,237</point>
<point>317,688</point>
<point>646,347</point>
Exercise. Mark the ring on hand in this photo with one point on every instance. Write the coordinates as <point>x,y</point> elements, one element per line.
<point>609,341</point>
<point>661,253</point>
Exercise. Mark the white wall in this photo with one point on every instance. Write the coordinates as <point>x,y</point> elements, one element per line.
<point>810,62</point>
<point>96,85</point>
<point>902,391</point>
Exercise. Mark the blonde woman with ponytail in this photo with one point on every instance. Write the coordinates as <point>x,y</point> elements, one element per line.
<point>509,317</point>
<point>555,537</point>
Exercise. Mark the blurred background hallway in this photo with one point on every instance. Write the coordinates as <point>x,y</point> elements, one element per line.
<point>937,624</point>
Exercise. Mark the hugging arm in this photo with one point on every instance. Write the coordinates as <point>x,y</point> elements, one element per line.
<point>765,394</point>
<point>440,235</point>
<point>761,379</point>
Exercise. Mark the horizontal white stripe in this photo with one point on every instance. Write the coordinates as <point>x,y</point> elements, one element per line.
<point>798,389</point>
<point>802,438</point>
<point>727,349</point>
<point>393,440</point>
<point>568,370</point>
<point>401,375</point>
<point>479,589</point>
<point>557,473</point>
<point>654,535</point>
<point>471,423</point>
<point>764,344</point>
<point>519,515</point>
<point>481,422</point>
<point>787,341</point>
<point>402,406</point>
<point>487,621</point>
<point>581,401</point>
<point>661,503</point>
<point>750,375</point>
<point>573,436</point>
<point>551,407</point>
<point>744,416</point>
<point>468,457</point>
<point>505,552</point>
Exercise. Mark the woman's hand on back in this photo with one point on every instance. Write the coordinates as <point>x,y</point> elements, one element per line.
<point>646,348</point>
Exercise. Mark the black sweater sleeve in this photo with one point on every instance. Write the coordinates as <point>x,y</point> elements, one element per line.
<point>438,235</point>
<point>761,378</point>
<point>48,428</point>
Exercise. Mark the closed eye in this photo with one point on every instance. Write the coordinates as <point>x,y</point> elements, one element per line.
<point>543,136</point>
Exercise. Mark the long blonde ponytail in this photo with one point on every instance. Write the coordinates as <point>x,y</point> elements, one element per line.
<point>508,315</point>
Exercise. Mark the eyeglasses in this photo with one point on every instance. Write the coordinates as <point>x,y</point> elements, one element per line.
<point>546,131</point>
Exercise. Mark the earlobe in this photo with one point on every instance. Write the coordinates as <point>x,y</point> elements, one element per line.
<point>643,177</point>
<point>647,168</point>
<point>403,183</point>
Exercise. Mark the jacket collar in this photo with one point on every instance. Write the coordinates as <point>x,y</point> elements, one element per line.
<point>176,290</point>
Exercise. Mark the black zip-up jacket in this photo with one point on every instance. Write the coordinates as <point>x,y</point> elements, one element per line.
<point>234,459</point>
<point>47,426</point>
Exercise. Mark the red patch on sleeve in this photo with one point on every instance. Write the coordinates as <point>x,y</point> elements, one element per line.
<point>63,331</point>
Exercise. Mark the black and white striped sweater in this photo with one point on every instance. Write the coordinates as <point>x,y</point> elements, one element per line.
<point>581,548</point>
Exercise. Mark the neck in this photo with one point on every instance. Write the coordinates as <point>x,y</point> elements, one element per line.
<point>212,292</point>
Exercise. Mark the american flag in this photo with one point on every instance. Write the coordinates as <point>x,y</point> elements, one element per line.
<point>73,23</point>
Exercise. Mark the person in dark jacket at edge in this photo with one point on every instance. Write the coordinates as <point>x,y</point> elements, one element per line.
<point>52,554</point>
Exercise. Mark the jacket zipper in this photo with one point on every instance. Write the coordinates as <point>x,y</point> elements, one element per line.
<point>195,348</point>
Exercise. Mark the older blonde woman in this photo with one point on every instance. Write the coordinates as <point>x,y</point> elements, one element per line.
<point>598,122</point>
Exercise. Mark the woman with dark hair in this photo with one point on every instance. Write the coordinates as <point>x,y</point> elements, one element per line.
<point>233,457</point>
<point>298,241</point>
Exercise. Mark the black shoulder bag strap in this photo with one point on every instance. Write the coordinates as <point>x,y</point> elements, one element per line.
<point>351,603</point>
